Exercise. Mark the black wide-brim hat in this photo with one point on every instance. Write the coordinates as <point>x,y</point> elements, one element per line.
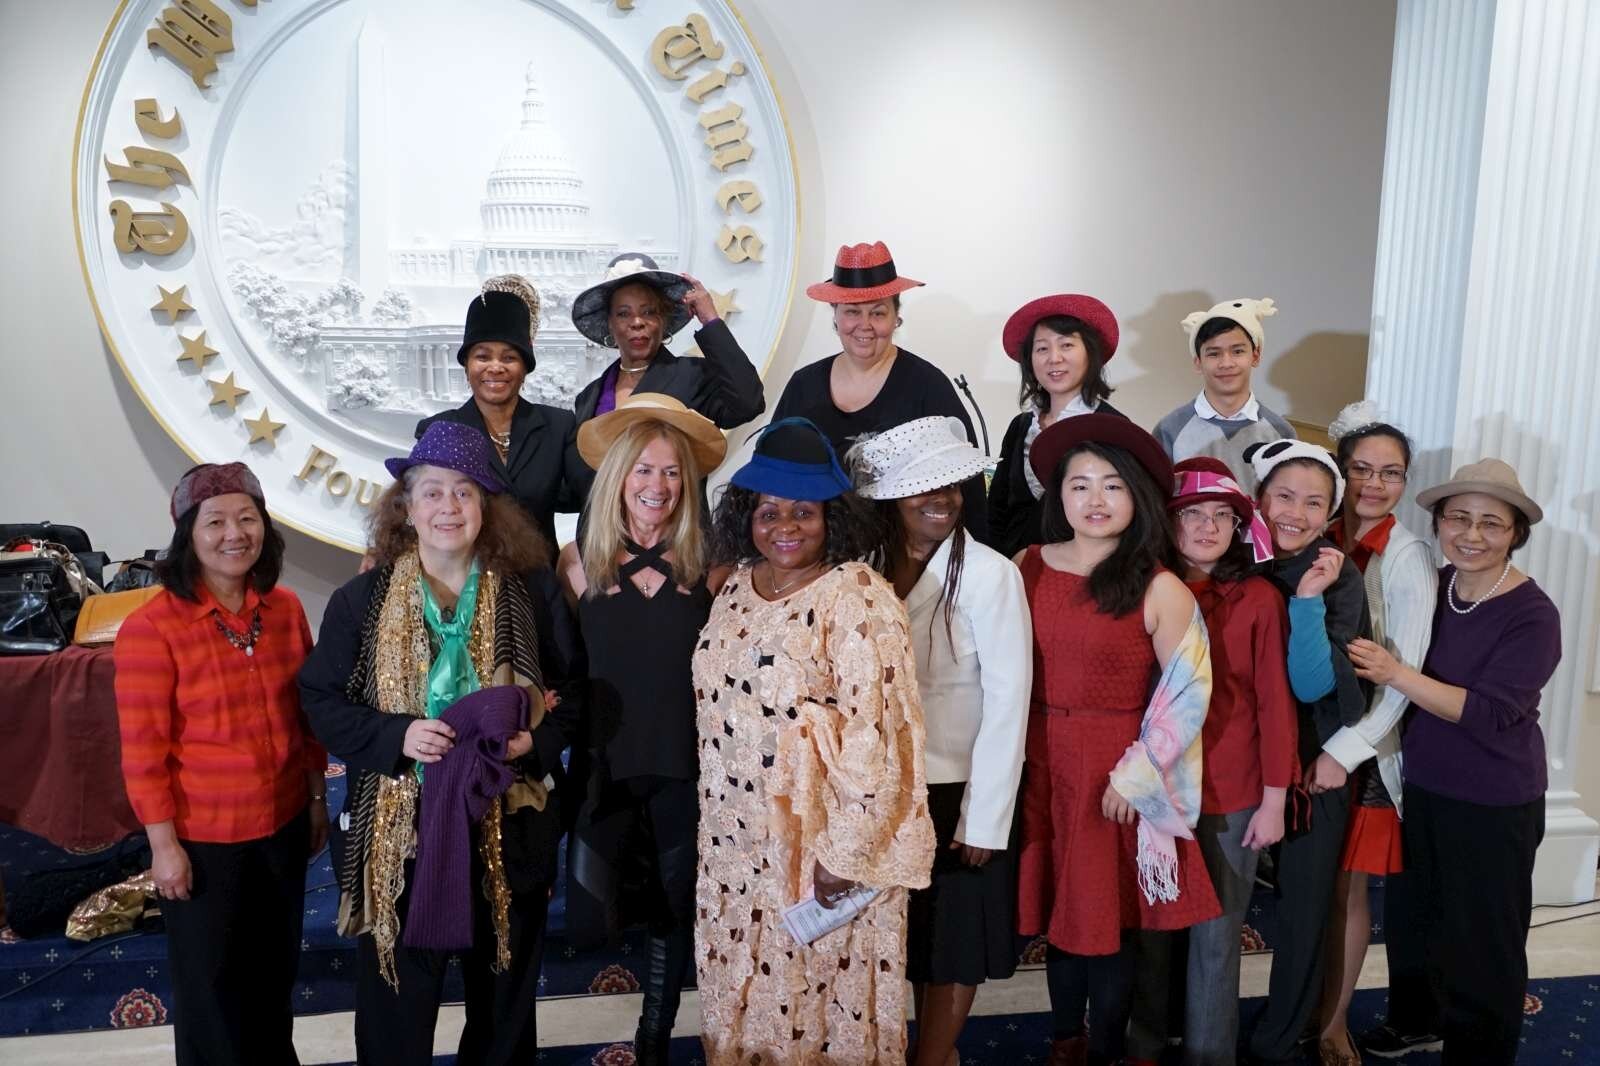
<point>498,316</point>
<point>1114,430</point>
<point>592,309</point>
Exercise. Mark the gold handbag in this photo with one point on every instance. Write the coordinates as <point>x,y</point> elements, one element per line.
<point>101,616</point>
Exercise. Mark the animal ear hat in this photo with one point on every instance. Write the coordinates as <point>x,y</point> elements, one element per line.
<point>1265,456</point>
<point>1246,312</point>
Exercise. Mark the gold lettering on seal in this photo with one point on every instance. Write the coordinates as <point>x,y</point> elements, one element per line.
<point>147,113</point>
<point>744,193</point>
<point>338,483</point>
<point>739,244</point>
<point>686,44</point>
<point>157,232</point>
<point>717,79</point>
<point>148,166</point>
<point>193,33</point>
<point>725,134</point>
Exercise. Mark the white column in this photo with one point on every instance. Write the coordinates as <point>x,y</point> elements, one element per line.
<point>1486,324</point>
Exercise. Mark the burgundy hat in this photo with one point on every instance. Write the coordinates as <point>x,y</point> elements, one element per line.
<point>213,479</point>
<point>1187,491</point>
<point>1087,308</point>
<point>862,274</point>
<point>455,447</point>
<point>1115,430</point>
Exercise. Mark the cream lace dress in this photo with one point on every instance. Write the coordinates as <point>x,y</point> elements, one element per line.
<point>811,741</point>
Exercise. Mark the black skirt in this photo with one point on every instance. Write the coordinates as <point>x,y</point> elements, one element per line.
<point>962,928</point>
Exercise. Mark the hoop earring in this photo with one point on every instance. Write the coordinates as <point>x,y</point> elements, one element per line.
<point>608,340</point>
<point>898,321</point>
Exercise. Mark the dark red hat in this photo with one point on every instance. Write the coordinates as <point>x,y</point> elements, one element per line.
<point>862,274</point>
<point>1087,308</point>
<point>1115,430</point>
<point>1207,464</point>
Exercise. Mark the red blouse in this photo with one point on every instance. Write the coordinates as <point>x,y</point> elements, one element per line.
<point>214,739</point>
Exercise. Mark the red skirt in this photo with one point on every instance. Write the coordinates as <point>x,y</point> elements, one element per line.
<point>1078,876</point>
<point>1372,841</point>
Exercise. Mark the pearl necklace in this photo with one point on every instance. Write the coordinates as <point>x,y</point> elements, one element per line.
<point>1450,592</point>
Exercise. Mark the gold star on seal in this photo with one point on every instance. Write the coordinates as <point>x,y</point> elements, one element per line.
<point>262,427</point>
<point>223,390</point>
<point>196,350</point>
<point>172,303</point>
<point>724,304</point>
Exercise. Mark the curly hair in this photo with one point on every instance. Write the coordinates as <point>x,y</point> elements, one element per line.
<point>854,529</point>
<point>508,540</point>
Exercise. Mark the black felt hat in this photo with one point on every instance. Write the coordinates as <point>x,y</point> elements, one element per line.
<point>507,310</point>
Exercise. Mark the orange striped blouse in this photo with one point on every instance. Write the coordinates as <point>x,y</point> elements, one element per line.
<point>214,739</point>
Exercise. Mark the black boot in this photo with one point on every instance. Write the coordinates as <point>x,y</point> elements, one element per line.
<point>666,967</point>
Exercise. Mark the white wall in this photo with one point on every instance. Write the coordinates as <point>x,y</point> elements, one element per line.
<point>1160,155</point>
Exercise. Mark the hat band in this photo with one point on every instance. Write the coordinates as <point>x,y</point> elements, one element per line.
<point>865,277</point>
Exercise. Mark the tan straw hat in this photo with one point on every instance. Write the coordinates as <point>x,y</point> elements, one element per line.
<point>1492,477</point>
<point>596,436</point>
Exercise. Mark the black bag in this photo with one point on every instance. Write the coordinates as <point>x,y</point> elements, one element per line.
<point>72,538</point>
<point>135,574</point>
<point>38,606</point>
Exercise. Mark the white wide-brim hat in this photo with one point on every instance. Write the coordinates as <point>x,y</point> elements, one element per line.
<point>914,457</point>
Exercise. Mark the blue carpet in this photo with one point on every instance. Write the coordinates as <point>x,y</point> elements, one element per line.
<point>1556,1029</point>
<point>53,985</point>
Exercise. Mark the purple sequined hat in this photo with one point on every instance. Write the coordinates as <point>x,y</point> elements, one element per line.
<point>454,447</point>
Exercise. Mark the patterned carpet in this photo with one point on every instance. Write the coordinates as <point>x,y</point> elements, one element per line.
<point>53,985</point>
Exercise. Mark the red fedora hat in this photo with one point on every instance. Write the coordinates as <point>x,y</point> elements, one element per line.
<point>1087,308</point>
<point>1115,430</point>
<point>862,273</point>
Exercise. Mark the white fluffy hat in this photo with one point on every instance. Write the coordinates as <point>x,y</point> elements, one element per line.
<point>1263,457</point>
<point>914,457</point>
<point>1245,311</point>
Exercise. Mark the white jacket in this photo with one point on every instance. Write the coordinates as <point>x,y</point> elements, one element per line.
<point>1410,583</point>
<point>975,684</point>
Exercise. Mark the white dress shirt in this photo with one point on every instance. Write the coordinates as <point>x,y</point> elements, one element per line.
<point>1250,412</point>
<point>976,684</point>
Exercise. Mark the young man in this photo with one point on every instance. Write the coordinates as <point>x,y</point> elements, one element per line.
<point>1226,418</point>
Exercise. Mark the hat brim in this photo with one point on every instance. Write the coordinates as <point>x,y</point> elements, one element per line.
<point>596,436</point>
<point>1532,511</point>
<point>919,477</point>
<point>790,481</point>
<point>1085,308</point>
<point>397,467</point>
<point>829,293</point>
<point>1056,441</point>
<point>592,307</point>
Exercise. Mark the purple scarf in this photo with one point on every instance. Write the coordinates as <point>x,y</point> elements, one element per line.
<point>458,791</point>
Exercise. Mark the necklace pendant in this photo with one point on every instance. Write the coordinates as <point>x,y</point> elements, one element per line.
<point>251,651</point>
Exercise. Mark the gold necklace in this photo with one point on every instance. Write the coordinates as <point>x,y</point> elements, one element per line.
<point>779,590</point>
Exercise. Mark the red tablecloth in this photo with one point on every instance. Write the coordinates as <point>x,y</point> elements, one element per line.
<point>60,753</point>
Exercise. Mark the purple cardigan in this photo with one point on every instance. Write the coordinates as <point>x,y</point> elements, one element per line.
<point>455,795</point>
<point>1502,653</point>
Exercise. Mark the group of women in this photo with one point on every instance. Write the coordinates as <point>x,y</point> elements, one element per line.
<point>822,738</point>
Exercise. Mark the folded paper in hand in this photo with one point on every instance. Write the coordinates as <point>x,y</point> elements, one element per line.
<point>808,919</point>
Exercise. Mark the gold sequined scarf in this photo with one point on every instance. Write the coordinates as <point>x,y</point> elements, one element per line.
<point>502,646</point>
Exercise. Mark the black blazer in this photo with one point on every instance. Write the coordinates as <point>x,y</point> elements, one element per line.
<point>543,469</point>
<point>1016,519</point>
<point>724,386</point>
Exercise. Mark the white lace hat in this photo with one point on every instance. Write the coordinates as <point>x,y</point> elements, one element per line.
<point>914,457</point>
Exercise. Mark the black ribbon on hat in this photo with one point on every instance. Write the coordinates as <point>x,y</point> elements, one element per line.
<point>864,277</point>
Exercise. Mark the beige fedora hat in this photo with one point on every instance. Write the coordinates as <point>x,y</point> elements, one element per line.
<point>1492,477</point>
<point>596,436</point>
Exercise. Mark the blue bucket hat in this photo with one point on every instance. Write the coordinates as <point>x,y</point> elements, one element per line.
<point>455,447</point>
<point>793,461</point>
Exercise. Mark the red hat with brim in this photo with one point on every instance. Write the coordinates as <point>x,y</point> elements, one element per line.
<point>1208,464</point>
<point>862,274</point>
<point>1114,430</point>
<point>1091,311</point>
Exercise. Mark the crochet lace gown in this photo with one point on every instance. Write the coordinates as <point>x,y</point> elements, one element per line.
<point>811,742</point>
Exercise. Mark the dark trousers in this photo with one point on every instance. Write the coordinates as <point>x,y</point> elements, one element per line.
<point>1105,984</point>
<point>395,1027</point>
<point>1411,1010</point>
<point>1308,863</point>
<point>1473,867</point>
<point>233,947</point>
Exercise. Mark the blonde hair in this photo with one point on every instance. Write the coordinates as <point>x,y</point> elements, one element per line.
<point>607,522</point>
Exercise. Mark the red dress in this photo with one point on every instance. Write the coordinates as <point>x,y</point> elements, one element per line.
<point>1077,871</point>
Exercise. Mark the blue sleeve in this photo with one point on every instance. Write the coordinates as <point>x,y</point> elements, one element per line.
<point>1310,657</point>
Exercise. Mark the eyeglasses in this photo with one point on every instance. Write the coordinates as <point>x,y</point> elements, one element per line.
<point>1460,522</point>
<point>1388,475</point>
<point>1195,518</point>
